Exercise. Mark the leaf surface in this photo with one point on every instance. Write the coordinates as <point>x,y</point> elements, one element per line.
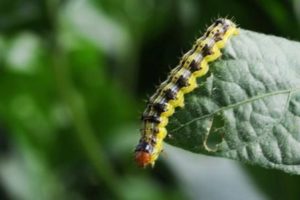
<point>248,107</point>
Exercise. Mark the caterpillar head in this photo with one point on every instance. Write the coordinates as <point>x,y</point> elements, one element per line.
<point>143,154</point>
<point>142,158</point>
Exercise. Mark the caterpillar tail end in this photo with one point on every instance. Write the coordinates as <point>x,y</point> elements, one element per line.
<point>236,31</point>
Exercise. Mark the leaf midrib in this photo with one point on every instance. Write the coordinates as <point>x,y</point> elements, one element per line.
<point>274,93</point>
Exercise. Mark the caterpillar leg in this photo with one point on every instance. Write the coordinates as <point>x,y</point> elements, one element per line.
<point>203,71</point>
<point>192,85</point>
<point>216,53</point>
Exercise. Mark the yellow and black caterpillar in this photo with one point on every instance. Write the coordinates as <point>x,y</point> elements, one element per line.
<point>181,80</point>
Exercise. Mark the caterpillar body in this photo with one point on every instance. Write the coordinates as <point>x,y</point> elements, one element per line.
<point>181,80</point>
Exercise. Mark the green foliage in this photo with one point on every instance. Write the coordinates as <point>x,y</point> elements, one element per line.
<point>248,108</point>
<point>73,79</point>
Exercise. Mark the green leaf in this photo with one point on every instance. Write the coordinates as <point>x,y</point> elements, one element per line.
<point>248,107</point>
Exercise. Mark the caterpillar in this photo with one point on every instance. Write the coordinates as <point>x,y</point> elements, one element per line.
<point>181,80</point>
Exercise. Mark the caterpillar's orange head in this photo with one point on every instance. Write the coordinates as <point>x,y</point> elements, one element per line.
<point>143,153</point>
<point>142,158</point>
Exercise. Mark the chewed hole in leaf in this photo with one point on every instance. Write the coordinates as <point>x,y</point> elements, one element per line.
<point>215,135</point>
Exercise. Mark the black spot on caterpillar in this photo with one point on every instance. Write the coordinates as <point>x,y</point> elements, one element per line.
<point>181,80</point>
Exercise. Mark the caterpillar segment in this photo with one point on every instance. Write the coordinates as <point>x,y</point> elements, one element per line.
<point>182,80</point>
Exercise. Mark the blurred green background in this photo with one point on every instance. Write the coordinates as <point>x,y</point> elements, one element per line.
<point>74,75</point>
